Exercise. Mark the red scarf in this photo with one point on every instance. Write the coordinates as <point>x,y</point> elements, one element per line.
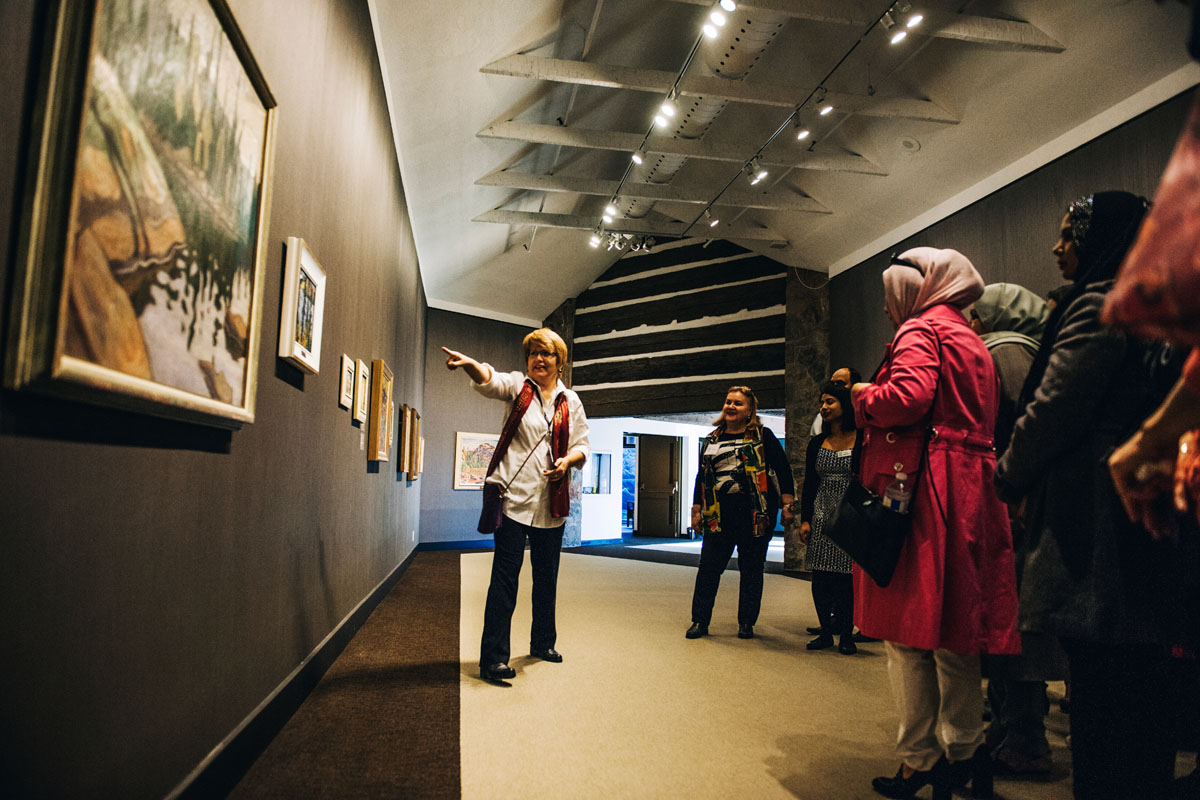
<point>560,437</point>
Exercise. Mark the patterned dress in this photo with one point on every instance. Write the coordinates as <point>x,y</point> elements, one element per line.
<point>833,467</point>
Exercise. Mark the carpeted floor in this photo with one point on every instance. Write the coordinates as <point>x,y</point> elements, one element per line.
<point>636,710</point>
<point>383,722</point>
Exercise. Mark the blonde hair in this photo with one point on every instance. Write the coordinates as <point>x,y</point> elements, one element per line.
<point>548,339</point>
<point>748,393</point>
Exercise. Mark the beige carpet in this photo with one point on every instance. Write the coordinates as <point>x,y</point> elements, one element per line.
<point>637,711</point>
<point>774,550</point>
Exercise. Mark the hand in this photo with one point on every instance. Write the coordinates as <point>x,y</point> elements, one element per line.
<point>695,518</point>
<point>805,531</point>
<point>558,471</point>
<point>786,510</point>
<point>1142,473</point>
<point>455,359</point>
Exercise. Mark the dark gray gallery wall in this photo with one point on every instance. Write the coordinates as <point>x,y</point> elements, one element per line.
<point>159,580</point>
<point>1008,234</point>
<point>450,406</point>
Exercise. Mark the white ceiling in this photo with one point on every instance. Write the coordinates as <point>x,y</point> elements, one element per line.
<point>1018,92</point>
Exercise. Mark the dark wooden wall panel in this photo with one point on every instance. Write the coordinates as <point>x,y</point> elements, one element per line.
<point>674,398</point>
<point>741,269</point>
<point>724,359</point>
<point>669,257</point>
<point>750,330</point>
<point>749,296</point>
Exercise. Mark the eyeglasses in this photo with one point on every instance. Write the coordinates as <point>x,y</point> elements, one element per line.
<point>904,262</point>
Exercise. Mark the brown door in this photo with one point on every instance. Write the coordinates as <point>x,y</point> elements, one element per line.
<point>658,486</point>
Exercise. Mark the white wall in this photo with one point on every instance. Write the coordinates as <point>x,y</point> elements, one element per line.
<point>602,512</point>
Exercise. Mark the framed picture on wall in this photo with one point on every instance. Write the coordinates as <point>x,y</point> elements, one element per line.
<point>472,454</point>
<point>362,391</point>
<point>420,456</point>
<point>414,455</point>
<point>140,253</point>
<point>346,385</point>
<point>379,430</point>
<point>303,311</point>
<point>405,438</point>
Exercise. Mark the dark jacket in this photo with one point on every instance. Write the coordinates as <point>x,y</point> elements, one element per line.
<point>1090,573</point>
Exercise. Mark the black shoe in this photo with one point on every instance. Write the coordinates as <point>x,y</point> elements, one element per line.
<point>976,770</point>
<point>696,631</point>
<point>822,642</point>
<point>745,631</point>
<point>815,630</point>
<point>861,637</point>
<point>846,646</point>
<point>497,672</point>
<point>900,787</point>
<point>547,654</point>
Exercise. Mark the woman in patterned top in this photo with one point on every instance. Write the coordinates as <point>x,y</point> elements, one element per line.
<point>832,460</point>
<point>744,478</point>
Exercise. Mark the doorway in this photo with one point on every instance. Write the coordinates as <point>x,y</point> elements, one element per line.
<point>656,500</point>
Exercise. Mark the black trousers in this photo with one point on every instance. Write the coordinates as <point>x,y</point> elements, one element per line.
<point>715,552</point>
<point>1122,745</point>
<point>545,545</point>
<point>833,596</point>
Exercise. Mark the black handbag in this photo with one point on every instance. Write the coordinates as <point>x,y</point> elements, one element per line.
<point>492,515</point>
<point>871,533</point>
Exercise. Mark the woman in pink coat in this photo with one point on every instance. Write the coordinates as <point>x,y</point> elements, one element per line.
<point>954,593</point>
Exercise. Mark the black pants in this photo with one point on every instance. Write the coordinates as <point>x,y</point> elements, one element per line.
<point>1018,715</point>
<point>833,596</point>
<point>545,545</point>
<point>1122,745</point>
<point>737,530</point>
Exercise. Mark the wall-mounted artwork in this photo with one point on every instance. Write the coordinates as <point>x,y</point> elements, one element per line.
<point>346,385</point>
<point>420,456</point>
<point>139,265</point>
<point>402,455</point>
<point>362,391</point>
<point>303,311</point>
<point>472,454</point>
<point>414,454</point>
<point>379,431</point>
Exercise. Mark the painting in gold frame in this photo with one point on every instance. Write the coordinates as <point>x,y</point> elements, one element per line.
<point>379,429</point>
<point>140,257</point>
<point>414,441</point>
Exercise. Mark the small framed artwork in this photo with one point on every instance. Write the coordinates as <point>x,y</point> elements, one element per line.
<point>140,249</point>
<point>420,456</point>
<point>379,430</point>
<point>472,454</point>
<point>362,391</point>
<point>303,307</point>
<point>346,388</point>
<point>414,455</point>
<point>405,439</point>
<point>391,423</point>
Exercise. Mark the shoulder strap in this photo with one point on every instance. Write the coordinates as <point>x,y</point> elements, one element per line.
<point>519,407</point>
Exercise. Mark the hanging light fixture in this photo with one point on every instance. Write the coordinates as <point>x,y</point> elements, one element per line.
<point>712,221</point>
<point>637,157</point>
<point>754,171</point>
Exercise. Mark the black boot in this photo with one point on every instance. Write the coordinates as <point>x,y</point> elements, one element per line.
<point>902,788</point>
<point>976,771</point>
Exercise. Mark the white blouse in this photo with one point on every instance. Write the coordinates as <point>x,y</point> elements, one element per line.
<point>528,497</point>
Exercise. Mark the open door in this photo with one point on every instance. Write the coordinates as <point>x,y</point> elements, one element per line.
<point>658,485</point>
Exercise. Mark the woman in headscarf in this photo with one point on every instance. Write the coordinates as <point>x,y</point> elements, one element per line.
<point>1010,320</point>
<point>1091,577</point>
<point>930,414</point>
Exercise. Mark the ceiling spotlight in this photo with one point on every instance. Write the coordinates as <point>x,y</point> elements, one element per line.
<point>611,210</point>
<point>637,156</point>
<point>826,111</point>
<point>729,5</point>
<point>595,240</point>
<point>710,30</point>
<point>667,108</point>
<point>712,221</point>
<point>754,171</point>
<point>647,242</point>
<point>660,120</point>
<point>718,18</point>
<point>899,36</point>
<point>607,219</point>
<point>802,134</point>
<point>914,21</point>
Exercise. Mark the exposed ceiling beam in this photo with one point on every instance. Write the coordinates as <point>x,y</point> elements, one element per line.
<point>625,225</point>
<point>715,151</point>
<point>657,81</point>
<point>1000,33</point>
<point>778,201</point>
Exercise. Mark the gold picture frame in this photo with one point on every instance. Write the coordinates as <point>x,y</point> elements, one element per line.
<point>141,248</point>
<point>414,453</point>
<point>379,430</point>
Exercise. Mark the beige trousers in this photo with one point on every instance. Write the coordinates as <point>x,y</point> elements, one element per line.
<point>940,701</point>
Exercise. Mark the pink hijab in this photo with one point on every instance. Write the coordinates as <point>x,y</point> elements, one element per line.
<point>939,276</point>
